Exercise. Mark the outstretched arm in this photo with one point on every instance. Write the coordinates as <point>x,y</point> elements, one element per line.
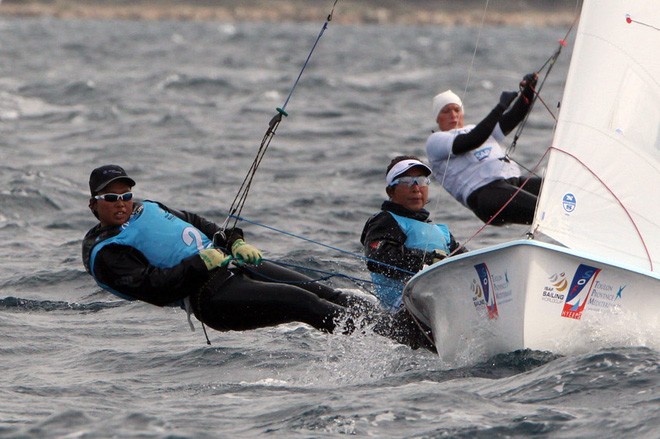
<point>479,134</point>
<point>520,108</point>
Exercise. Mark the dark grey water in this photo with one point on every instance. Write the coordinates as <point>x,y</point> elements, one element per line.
<point>183,106</point>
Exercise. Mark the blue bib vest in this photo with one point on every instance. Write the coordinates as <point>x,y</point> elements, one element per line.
<point>419,235</point>
<point>163,238</point>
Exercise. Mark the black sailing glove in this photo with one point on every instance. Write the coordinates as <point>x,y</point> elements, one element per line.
<point>528,85</point>
<point>506,98</point>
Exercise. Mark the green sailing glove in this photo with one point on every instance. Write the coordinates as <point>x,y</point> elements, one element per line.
<point>214,258</point>
<point>246,252</point>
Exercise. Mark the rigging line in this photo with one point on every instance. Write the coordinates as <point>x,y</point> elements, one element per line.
<point>630,20</point>
<point>241,196</point>
<point>467,82</point>
<point>476,47</point>
<point>295,84</point>
<point>356,255</point>
<point>328,274</point>
<point>469,75</point>
<point>550,63</point>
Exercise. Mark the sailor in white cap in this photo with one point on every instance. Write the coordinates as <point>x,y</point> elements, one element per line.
<point>400,239</point>
<point>470,161</point>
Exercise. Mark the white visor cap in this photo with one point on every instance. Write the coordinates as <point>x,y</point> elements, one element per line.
<point>402,167</point>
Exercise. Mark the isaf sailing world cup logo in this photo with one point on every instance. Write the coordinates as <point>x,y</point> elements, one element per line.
<point>486,282</point>
<point>578,293</point>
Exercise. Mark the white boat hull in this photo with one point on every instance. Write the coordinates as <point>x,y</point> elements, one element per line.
<point>531,295</point>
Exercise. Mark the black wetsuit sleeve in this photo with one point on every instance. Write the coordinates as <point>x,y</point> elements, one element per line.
<point>383,242</point>
<point>515,115</point>
<point>127,271</point>
<point>479,134</point>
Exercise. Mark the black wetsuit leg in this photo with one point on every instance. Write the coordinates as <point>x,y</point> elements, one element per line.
<point>241,303</point>
<point>532,185</point>
<point>254,297</point>
<point>271,272</point>
<point>486,201</point>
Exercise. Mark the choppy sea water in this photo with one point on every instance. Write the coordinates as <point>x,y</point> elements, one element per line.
<point>183,107</point>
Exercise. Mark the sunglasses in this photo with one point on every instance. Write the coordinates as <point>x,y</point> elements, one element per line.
<point>111,198</point>
<point>411,181</point>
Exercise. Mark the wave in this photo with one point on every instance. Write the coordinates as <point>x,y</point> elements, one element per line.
<point>616,371</point>
<point>33,102</point>
<point>197,84</point>
<point>18,304</point>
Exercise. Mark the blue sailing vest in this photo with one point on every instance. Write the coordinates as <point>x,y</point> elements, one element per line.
<point>163,238</point>
<point>419,235</point>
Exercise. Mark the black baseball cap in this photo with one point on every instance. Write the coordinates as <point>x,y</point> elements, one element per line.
<point>104,175</point>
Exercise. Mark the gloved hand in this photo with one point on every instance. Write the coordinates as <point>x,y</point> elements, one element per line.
<point>246,252</point>
<point>528,84</point>
<point>506,98</point>
<point>438,255</point>
<point>213,258</point>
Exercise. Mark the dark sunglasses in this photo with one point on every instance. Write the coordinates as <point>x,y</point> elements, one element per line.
<point>111,198</point>
<point>411,181</point>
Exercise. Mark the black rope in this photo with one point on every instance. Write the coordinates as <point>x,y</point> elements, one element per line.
<point>549,63</point>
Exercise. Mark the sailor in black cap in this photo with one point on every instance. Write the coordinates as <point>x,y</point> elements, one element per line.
<point>144,250</point>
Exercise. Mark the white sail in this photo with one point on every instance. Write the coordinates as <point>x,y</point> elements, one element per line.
<point>600,199</point>
<point>601,192</point>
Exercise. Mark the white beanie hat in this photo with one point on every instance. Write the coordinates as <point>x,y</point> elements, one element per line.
<point>442,99</point>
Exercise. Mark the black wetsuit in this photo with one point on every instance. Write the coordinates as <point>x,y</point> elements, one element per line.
<point>224,299</point>
<point>384,243</point>
<point>487,200</point>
